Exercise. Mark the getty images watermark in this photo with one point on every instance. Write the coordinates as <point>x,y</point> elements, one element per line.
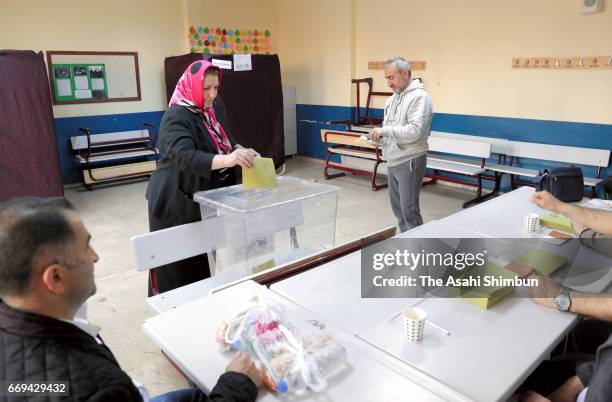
<point>477,268</point>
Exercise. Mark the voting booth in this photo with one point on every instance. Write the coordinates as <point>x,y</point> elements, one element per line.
<point>265,227</point>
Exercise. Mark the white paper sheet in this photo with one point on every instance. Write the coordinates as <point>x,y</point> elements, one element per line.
<point>63,88</point>
<point>80,82</point>
<point>597,203</point>
<point>82,93</point>
<point>242,62</point>
<point>224,64</point>
<point>97,83</point>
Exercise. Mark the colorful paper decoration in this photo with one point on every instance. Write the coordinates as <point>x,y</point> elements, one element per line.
<point>217,40</point>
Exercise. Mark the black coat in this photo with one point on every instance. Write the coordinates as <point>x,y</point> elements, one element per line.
<point>185,168</point>
<point>39,348</point>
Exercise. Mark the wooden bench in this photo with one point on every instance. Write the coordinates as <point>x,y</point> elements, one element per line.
<point>598,158</point>
<point>449,155</point>
<point>348,144</point>
<point>106,157</point>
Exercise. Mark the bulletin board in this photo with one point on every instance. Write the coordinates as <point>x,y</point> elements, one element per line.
<point>79,81</point>
<point>91,77</point>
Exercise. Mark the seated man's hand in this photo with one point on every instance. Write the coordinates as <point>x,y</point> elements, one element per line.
<point>375,134</point>
<point>531,396</point>
<point>568,391</point>
<point>578,227</point>
<point>242,363</point>
<point>545,292</point>
<point>546,200</point>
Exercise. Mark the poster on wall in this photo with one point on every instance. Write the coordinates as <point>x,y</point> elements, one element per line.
<point>229,41</point>
<point>79,81</point>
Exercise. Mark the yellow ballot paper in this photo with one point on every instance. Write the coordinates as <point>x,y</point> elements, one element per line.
<point>261,175</point>
<point>486,295</point>
<point>558,222</point>
<point>542,262</point>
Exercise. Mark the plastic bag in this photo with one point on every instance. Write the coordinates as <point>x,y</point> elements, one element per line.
<point>289,361</point>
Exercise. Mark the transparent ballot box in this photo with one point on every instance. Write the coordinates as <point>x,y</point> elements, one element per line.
<point>263,228</point>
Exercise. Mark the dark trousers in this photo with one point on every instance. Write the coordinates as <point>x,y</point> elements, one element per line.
<point>181,395</point>
<point>177,274</point>
<point>582,344</point>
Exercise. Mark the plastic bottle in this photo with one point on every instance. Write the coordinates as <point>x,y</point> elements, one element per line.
<point>331,359</point>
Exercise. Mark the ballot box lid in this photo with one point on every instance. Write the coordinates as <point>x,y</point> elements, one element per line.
<point>237,200</point>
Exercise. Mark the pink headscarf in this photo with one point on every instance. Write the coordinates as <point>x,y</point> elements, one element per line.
<point>189,93</point>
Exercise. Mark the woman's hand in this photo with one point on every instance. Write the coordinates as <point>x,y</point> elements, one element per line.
<point>242,157</point>
<point>255,153</point>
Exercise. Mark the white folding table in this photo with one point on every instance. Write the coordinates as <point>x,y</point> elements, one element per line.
<point>187,335</point>
<point>488,354</point>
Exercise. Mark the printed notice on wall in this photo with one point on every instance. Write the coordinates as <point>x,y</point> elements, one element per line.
<point>224,64</point>
<point>97,83</point>
<point>82,93</point>
<point>64,88</point>
<point>242,62</point>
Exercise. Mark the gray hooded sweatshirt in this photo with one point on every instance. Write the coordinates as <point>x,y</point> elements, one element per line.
<point>406,125</point>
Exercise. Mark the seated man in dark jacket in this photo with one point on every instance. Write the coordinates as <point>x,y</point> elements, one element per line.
<point>46,274</point>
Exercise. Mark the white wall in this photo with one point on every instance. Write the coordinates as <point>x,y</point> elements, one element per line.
<point>469,44</point>
<point>154,28</point>
<point>315,49</point>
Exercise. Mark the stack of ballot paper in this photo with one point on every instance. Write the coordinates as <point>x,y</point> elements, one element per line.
<point>540,261</point>
<point>485,294</point>
<point>558,222</point>
<point>261,175</point>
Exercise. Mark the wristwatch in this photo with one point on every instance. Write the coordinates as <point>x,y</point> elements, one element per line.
<point>563,301</point>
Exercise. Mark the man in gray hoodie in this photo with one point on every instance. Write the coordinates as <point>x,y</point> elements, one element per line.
<point>403,138</point>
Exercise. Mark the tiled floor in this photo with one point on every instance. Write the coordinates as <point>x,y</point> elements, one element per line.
<point>114,214</point>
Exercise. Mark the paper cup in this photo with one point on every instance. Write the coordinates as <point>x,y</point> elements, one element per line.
<point>414,322</point>
<point>530,223</point>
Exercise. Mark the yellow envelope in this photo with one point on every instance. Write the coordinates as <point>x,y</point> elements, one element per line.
<point>558,222</point>
<point>261,175</point>
<point>541,261</point>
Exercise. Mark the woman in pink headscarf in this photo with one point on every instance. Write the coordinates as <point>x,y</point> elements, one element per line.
<point>197,154</point>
